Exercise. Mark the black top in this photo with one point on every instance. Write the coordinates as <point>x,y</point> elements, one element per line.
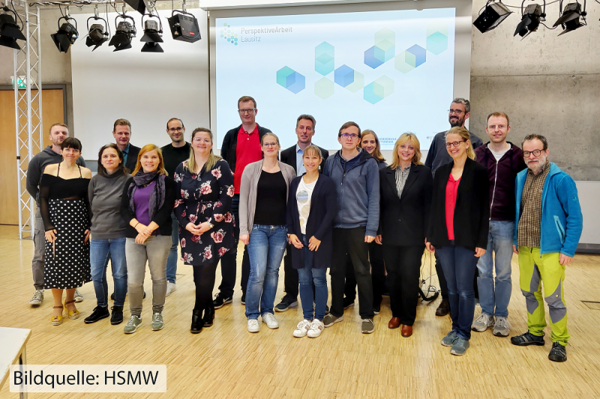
<point>271,199</point>
<point>173,156</point>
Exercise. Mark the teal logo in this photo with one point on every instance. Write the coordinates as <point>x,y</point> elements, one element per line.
<point>228,34</point>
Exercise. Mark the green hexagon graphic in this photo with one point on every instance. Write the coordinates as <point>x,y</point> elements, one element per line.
<point>358,83</point>
<point>384,35</point>
<point>324,88</point>
<point>437,26</point>
<point>378,90</point>
<point>401,63</point>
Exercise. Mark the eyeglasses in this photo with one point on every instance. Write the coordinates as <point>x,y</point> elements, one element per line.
<point>246,111</point>
<point>536,153</point>
<point>270,144</point>
<point>454,144</point>
<point>175,129</point>
<point>349,135</point>
<point>455,111</point>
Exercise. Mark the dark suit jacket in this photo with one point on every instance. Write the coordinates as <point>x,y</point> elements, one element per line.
<point>403,220</point>
<point>288,156</point>
<point>323,208</point>
<point>472,212</point>
<point>132,157</point>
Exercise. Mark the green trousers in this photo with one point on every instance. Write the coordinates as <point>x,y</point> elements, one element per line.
<point>535,270</point>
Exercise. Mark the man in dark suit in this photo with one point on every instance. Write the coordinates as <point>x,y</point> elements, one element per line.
<point>305,130</point>
<point>122,134</point>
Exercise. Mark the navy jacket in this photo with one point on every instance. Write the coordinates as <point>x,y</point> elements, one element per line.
<point>132,157</point>
<point>323,208</point>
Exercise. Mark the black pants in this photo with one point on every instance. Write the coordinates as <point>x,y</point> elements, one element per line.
<point>377,275</point>
<point>351,243</point>
<point>204,278</point>
<point>290,276</point>
<point>403,264</point>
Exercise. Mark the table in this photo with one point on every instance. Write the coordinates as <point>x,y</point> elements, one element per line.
<point>12,350</point>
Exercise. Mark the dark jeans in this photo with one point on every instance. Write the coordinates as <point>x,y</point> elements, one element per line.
<point>403,264</point>
<point>459,266</point>
<point>351,243</point>
<point>229,260</point>
<point>441,278</point>
<point>290,277</point>
<point>377,275</point>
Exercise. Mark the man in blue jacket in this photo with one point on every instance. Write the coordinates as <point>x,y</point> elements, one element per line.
<point>356,176</point>
<point>548,227</point>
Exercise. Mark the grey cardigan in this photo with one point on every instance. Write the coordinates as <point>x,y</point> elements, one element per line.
<point>248,192</point>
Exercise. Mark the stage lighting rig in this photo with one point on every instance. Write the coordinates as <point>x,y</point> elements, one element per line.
<point>67,33</point>
<point>125,32</point>
<point>152,34</point>
<point>572,17</point>
<point>531,18</point>
<point>184,26</point>
<point>97,33</point>
<point>9,30</point>
<point>493,14</point>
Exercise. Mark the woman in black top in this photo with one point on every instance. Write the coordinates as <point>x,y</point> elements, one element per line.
<point>65,210</point>
<point>405,195</point>
<point>458,230</point>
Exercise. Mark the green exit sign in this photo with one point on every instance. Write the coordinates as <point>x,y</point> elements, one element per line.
<point>21,82</point>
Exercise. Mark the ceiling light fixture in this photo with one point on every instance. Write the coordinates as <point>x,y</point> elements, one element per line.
<point>125,32</point>
<point>67,33</point>
<point>152,34</point>
<point>184,26</point>
<point>97,33</point>
<point>9,30</point>
<point>492,16</point>
<point>572,17</point>
<point>531,18</point>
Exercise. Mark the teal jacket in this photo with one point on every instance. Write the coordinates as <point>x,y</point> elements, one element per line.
<point>562,221</point>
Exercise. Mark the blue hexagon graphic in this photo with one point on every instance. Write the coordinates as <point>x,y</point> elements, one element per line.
<point>378,90</point>
<point>324,58</point>
<point>374,57</point>
<point>437,43</point>
<point>344,75</point>
<point>291,80</point>
<point>416,55</point>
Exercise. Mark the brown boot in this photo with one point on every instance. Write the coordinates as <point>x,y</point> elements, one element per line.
<point>443,309</point>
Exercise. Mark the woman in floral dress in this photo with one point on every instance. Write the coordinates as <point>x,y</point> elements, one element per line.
<point>204,193</point>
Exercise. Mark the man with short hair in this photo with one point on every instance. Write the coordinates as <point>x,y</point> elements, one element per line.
<point>503,160</point>
<point>49,155</point>
<point>548,227</point>
<point>305,130</point>
<point>460,110</point>
<point>174,154</point>
<point>356,175</point>
<point>122,134</point>
<point>241,146</point>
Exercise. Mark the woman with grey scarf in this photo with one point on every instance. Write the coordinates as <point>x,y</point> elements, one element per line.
<point>146,206</point>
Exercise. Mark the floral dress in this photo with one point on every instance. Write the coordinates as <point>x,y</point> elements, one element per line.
<point>202,197</point>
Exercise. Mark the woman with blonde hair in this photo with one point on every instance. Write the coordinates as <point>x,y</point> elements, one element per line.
<point>146,205</point>
<point>203,208</point>
<point>405,200</point>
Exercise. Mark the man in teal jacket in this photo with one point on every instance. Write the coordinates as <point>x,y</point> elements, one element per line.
<point>549,224</point>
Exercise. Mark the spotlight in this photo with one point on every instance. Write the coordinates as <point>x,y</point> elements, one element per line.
<point>125,32</point>
<point>532,16</point>
<point>184,26</point>
<point>492,16</point>
<point>66,35</point>
<point>571,18</point>
<point>138,5</point>
<point>9,30</point>
<point>152,35</point>
<point>97,34</point>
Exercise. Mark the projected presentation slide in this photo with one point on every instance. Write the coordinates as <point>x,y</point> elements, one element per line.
<point>389,71</point>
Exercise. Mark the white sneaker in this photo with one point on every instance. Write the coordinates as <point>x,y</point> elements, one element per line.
<point>270,320</point>
<point>38,298</point>
<point>253,326</point>
<point>316,328</point>
<point>302,328</point>
<point>78,297</point>
<point>171,288</point>
<point>483,322</point>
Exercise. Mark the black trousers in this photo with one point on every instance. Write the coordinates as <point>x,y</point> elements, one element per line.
<point>377,275</point>
<point>403,264</point>
<point>351,243</point>
<point>290,277</point>
<point>204,279</point>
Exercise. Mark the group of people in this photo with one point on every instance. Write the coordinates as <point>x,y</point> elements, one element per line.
<point>368,222</point>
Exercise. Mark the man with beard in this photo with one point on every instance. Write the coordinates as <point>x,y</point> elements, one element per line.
<point>437,156</point>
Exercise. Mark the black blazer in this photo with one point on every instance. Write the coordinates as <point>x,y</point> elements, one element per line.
<point>132,157</point>
<point>403,220</point>
<point>472,212</point>
<point>288,156</point>
<point>323,208</point>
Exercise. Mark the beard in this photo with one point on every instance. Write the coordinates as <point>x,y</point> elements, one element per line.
<point>456,121</point>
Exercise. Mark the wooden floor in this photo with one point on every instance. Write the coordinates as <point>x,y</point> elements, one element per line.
<point>226,361</point>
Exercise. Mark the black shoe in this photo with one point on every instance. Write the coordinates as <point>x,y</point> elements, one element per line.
<point>144,295</point>
<point>221,300</point>
<point>117,315</point>
<point>197,322</point>
<point>443,309</point>
<point>326,309</point>
<point>244,298</point>
<point>376,309</point>
<point>558,353</point>
<point>285,304</point>
<point>98,314</point>
<point>112,296</point>
<point>348,303</point>
<point>209,316</point>
<point>528,339</point>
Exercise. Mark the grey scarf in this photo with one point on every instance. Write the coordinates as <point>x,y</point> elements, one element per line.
<point>157,198</point>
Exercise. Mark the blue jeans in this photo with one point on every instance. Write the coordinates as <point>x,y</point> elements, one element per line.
<point>265,250</point>
<point>494,300</point>
<point>307,275</point>
<point>172,259</point>
<point>459,266</point>
<point>100,252</point>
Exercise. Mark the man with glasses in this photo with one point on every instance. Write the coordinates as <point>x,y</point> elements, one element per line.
<point>503,160</point>
<point>549,224</point>
<point>305,130</point>
<point>356,175</point>
<point>122,135</point>
<point>241,146</point>
<point>459,112</point>
<point>174,154</point>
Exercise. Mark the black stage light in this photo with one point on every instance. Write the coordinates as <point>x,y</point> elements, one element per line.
<point>492,16</point>
<point>66,35</point>
<point>138,5</point>
<point>97,33</point>
<point>572,17</point>
<point>184,26</point>
<point>152,35</point>
<point>125,32</point>
<point>9,30</point>
<point>530,22</point>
